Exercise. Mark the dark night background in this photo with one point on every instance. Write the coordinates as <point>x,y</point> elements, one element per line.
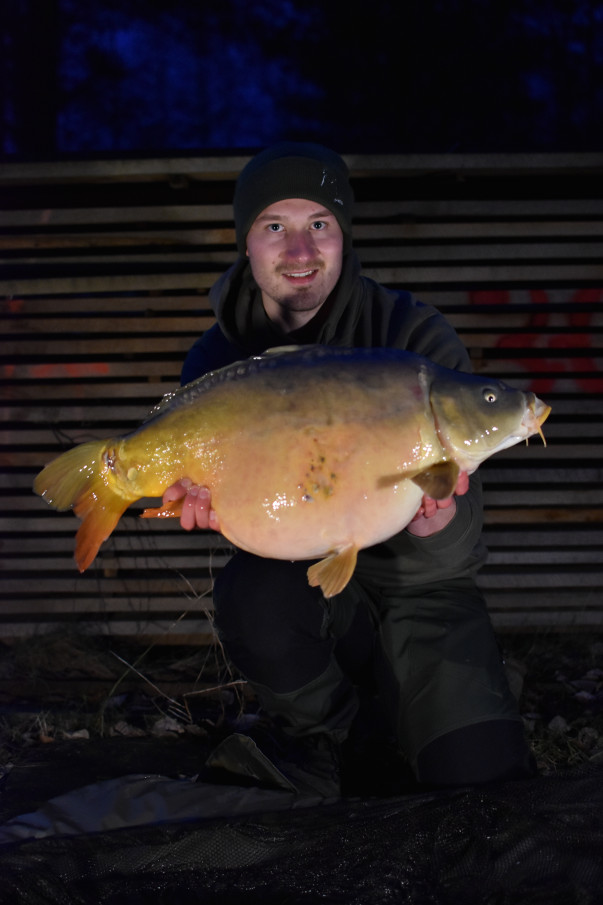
<point>141,77</point>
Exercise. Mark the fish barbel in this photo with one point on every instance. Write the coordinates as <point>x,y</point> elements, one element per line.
<point>312,452</point>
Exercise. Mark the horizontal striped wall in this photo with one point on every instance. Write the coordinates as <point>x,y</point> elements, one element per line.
<point>105,268</point>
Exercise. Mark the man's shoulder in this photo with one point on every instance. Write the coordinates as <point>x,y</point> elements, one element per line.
<point>422,328</point>
<point>211,351</point>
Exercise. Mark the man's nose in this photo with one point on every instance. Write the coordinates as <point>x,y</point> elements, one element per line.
<point>300,244</point>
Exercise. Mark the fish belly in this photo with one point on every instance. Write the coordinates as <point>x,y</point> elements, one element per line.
<point>304,495</point>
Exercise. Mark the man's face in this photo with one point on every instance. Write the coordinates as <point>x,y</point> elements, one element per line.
<point>295,249</point>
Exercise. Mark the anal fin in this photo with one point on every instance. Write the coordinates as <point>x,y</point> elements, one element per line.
<point>333,572</point>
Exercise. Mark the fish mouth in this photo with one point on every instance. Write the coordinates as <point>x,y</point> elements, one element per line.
<point>536,414</point>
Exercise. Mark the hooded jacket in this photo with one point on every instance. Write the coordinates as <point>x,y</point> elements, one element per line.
<point>358,313</point>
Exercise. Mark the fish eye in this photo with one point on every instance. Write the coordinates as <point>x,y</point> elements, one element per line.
<point>489,395</point>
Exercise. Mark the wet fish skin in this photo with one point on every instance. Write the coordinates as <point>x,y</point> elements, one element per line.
<point>309,453</point>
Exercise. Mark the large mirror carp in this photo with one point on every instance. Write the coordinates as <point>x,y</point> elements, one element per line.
<point>310,453</point>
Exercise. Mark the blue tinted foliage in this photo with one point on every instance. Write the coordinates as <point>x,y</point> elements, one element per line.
<point>152,77</point>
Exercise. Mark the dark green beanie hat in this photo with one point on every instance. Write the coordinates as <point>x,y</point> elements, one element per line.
<point>293,170</point>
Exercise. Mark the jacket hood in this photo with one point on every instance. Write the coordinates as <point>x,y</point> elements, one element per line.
<point>237,303</point>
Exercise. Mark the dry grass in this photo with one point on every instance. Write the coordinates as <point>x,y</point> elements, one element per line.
<point>74,686</point>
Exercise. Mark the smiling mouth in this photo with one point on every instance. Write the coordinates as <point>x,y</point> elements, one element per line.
<point>299,274</point>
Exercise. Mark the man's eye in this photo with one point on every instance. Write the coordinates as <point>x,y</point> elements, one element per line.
<point>319,224</point>
<point>275,227</point>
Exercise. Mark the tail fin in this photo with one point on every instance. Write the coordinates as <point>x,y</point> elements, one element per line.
<point>78,480</point>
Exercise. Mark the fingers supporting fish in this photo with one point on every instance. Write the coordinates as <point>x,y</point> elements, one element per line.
<point>432,516</point>
<point>178,490</point>
<point>197,511</point>
<point>190,503</point>
<point>428,520</point>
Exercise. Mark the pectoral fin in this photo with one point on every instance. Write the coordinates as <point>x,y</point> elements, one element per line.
<point>333,572</point>
<point>439,480</point>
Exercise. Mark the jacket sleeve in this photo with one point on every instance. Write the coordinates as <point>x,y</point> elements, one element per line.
<point>210,352</point>
<point>456,550</point>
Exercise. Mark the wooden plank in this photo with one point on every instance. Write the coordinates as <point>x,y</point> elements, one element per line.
<point>554,535</point>
<point>417,210</point>
<point>365,234</point>
<point>540,577</point>
<point>59,558</point>
<point>55,551</point>
<point>411,277</point>
<point>421,210</point>
<point>159,582</point>
<point>486,208</point>
<point>117,606</point>
<point>529,620</point>
<point>578,602</point>
<point>125,169</point>
<point>473,325</point>
<point>149,304</point>
<point>196,632</point>
<point>487,274</point>
<point>160,370</point>
<point>440,255</point>
<point>70,347</point>
<point>362,166</point>
<point>61,217</point>
<point>117,239</point>
<point>551,557</point>
<point>423,231</point>
<point>93,583</point>
<point>78,285</point>
<point>157,259</point>
<point>535,515</point>
<point>43,328</point>
<point>46,395</point>
<point>141,559</point>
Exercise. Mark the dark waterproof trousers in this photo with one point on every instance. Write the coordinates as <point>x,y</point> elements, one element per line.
<point>429,652</point>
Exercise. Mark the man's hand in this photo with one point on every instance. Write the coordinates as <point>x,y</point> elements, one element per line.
<point>433,515</point>
<point>196,505</point>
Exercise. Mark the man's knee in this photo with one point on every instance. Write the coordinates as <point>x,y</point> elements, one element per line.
<point>490,751</point>
<point>258,597</point>
<point>272,623</point>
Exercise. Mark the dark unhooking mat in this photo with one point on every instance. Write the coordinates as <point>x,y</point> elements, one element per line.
<point>529,843</point>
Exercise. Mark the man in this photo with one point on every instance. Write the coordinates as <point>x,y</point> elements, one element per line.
<point>411,625</point>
